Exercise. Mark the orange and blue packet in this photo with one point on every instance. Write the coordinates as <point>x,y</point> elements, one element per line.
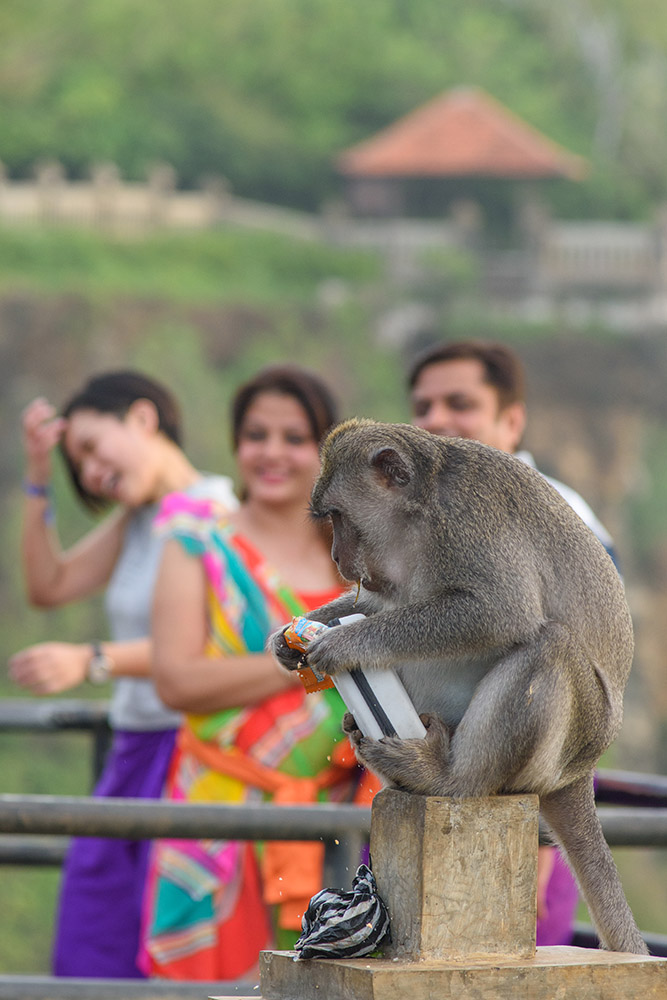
<point>298,634</point>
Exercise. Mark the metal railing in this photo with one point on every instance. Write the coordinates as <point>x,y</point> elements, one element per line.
<point>29,715</point>
<point>34,830</point>
<point>137,819</point>
<point>52,988</point>
<point>631,788</point>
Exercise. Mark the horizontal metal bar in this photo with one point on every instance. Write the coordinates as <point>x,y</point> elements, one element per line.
<point>30,715</point>
<point>627,826</point>
<point>634,826</point>
<point>70,988</point>
<point>32,850</point>
<point>586,937</point>
<point>631,788</point>
<point>136,819</point>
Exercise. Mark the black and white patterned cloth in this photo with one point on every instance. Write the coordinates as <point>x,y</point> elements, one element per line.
<point>341,924</point>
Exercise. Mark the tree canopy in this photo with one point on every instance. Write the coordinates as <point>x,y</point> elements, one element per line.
<point>266,93</point>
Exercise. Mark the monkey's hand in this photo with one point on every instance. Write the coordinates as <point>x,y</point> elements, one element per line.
<point>414,765</point>
<point>336,649</point>
<point>284,654</point>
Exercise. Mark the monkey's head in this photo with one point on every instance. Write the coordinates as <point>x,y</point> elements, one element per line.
<point>373,485</point>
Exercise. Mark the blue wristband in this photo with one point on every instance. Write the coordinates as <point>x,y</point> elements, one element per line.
<point>33,490</point>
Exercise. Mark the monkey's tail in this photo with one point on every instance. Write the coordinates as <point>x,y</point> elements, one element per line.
<point>571,814</point>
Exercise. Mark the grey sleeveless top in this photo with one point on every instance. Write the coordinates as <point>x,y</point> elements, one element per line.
<point>134,703</point>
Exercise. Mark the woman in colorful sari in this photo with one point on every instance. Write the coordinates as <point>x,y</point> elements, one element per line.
<point>250,733</point>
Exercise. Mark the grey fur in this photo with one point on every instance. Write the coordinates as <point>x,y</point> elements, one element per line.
<point>504,617</point>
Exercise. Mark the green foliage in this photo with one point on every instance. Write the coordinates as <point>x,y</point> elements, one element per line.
<point>31,900</point>
<point>448,272</point>
<point>216,265</point>
<point>43,764</point>
<point>646,510</point>
<point>268,94</point>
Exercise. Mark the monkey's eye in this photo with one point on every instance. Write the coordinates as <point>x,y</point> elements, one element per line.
<point>322,514</point>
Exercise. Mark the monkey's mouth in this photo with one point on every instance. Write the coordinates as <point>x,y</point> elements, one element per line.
<point>368,584</point>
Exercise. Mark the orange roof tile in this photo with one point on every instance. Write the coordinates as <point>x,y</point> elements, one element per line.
<point>460,133</point>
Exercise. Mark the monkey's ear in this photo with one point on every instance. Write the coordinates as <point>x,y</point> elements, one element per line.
<point>391,467</point>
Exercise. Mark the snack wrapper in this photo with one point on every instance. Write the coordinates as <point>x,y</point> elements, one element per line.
<point>301,632</point>
<point>298,635</point>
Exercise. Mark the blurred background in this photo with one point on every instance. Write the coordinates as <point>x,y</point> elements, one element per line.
<point>198,189</point>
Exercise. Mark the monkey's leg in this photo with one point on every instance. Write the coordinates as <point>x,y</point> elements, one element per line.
<point>499,733</point>
<point>542,716</point>
<point>518,732</point>
<point>570,812</point>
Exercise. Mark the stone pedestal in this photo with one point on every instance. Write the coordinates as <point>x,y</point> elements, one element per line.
<point>459,878</point>
<point>562,973</point>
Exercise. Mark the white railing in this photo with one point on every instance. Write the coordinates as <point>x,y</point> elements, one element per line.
<point>557,257</point>
<point>588,254</point>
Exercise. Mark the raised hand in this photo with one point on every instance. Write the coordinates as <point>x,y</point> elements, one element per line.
<point>42,429</point>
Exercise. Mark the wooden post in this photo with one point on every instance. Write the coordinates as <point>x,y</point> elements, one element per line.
<point>459,876</point>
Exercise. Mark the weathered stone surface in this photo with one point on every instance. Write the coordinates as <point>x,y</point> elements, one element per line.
<point>459,876</point>
<point>562,973</point>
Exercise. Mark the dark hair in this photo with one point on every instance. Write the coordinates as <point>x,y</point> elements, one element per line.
<point>309,390</point>
<point>502,367</point>
<point>114,393</point>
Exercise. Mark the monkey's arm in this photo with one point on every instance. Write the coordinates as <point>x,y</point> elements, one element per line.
<point>456,623</point>
<point>355,601</point>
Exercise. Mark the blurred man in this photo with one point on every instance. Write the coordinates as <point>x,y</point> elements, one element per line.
<point>475,389</point>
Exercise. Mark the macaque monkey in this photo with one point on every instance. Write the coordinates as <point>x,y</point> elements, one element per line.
<point>505,619</point>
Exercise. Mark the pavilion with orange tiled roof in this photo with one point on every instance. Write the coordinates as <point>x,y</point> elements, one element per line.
<point>465,140</point>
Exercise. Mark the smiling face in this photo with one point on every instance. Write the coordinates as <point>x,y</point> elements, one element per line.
<point>453,399</point>
<point>277,455</point>
<point>115,457</point>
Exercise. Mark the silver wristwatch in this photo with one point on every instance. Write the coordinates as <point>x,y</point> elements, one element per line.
<point>99,666</point>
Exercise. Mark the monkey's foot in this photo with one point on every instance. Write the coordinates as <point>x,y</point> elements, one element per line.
<point>350,727</point>
<point>415,765</point>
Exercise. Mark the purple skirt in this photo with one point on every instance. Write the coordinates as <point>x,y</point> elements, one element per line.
<point>99,910</point>
<point>562,897</point>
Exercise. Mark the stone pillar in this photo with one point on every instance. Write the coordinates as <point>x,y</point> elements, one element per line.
<point>105,179</point>
<point>161,185</point>
<point>459,876</point>
<point>50,177</point>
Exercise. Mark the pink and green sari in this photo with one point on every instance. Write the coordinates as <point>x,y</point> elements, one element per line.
<point>212,906</point>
